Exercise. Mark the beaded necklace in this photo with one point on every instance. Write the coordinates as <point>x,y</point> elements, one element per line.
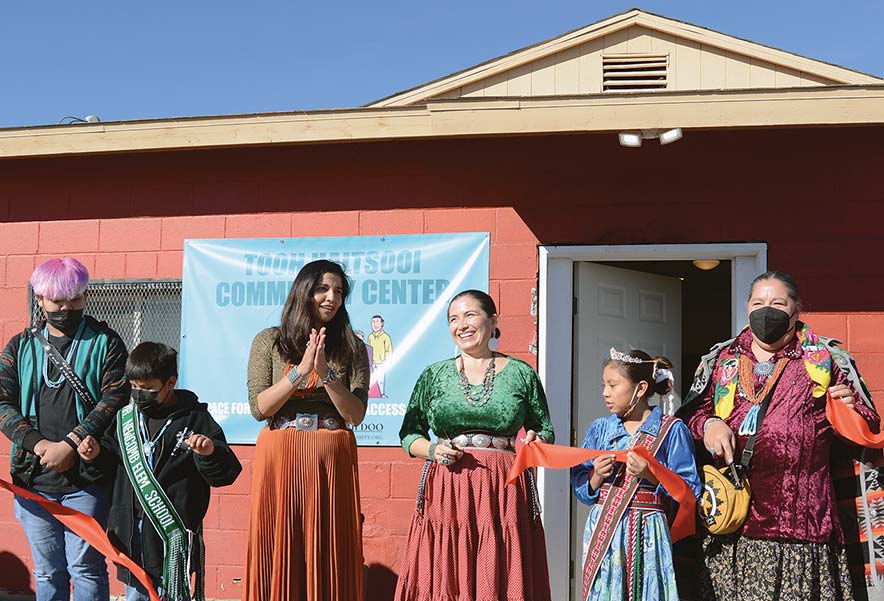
<point>747,385</point>
<point>71,352</point>
<point>484,395</point>
<point>747,381</point>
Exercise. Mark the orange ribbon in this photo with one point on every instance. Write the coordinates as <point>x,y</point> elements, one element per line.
<point>541,454</point>
<point>851,425</point>
<point>89,530</point>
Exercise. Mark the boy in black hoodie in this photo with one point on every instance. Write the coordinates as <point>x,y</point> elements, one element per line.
<point>184,449</point>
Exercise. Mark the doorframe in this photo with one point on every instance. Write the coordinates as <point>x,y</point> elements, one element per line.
<point>555,356</point>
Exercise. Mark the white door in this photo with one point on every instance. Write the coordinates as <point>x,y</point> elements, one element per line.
<point>624,309</point>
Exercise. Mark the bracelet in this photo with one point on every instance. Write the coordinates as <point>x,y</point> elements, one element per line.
<point>70,441</point>
<point>293,376</point>
<point>330,378</point>
<point>711,420</point>
<point>431,452</point>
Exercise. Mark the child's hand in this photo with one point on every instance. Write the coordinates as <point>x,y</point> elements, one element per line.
<point>638,467</point>
<point>88,448</point>
<point>201,444</point>
<point>604,466</point>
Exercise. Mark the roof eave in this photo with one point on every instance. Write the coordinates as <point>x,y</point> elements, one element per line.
<point>795,107</point>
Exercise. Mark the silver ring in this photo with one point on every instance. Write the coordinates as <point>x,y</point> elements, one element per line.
<point>308,344</point>
<point>445,461</point>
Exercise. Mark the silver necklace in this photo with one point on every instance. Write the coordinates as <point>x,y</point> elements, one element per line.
<point>487,386</point>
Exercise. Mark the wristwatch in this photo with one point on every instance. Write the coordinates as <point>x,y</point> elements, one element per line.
<point>330,377</point>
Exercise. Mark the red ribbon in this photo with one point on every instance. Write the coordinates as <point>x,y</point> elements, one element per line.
<point>89,530</point>
<point>541,454</point>
<point>851,425</point>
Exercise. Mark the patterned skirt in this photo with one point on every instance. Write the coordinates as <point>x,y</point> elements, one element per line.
<point>305,535</point>
<point>748,569</point>
<point>652,559</point>
<point>472,537</point>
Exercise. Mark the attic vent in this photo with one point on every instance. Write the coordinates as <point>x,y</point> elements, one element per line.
<point>634,72</point>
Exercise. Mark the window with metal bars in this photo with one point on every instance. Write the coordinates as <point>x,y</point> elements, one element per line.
<point>634,72</point>
<point>138,310</point>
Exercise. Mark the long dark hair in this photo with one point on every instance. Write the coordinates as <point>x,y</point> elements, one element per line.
<point>299,317</point>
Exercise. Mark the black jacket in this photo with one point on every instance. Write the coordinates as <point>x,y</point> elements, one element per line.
<point>185,478</point>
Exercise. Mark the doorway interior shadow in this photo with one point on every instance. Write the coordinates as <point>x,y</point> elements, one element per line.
<point>380,583</point>
<point>15,578</point>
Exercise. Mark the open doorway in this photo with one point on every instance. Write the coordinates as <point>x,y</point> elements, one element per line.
<point>739,264</point>
<point>706,298</point>
<point>668,308</point>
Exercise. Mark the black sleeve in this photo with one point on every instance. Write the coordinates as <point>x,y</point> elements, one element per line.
<point>222,467</point>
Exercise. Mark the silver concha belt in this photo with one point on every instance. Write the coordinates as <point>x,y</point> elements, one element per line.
<point>483,440</point>
<point>305,422</point>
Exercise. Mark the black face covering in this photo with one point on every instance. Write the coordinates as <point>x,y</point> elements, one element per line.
<point>66,321</point>
<point>769,324</point>
<point>147,401</point>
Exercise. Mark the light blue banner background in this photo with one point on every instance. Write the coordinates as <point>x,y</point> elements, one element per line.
<point>233,288</point>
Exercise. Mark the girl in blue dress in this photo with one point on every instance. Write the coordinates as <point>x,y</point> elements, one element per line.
<point>627,549</point>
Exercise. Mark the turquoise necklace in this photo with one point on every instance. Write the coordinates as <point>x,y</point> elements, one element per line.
<point>71,352</point>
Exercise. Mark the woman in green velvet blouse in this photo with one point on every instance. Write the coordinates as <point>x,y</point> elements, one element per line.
<point>473,537</point>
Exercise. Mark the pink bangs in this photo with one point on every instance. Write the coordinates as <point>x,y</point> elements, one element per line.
<point>60,279</point>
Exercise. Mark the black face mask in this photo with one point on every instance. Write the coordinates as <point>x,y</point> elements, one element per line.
<point>66,321</point>
<point>769,324</point>
<point>147,401</point>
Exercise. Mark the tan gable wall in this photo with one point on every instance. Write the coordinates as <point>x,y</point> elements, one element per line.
<point>692,66</point>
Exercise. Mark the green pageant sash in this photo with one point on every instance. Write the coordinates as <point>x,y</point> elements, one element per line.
<point>177,540</point>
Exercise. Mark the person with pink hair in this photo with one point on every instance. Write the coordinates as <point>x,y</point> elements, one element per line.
<point>60,382</point>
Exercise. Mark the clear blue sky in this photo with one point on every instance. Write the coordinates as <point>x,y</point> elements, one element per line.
<point>128,60</point>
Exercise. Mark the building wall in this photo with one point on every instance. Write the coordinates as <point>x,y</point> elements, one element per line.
<point>813,196</point>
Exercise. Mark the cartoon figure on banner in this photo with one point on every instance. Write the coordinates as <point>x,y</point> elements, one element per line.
<point>374,391</point>
<point>382,348</point>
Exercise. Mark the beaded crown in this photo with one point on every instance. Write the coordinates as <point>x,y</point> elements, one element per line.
<point>655,371</point>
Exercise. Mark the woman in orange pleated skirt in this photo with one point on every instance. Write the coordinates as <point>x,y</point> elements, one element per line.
<point>309,379</point>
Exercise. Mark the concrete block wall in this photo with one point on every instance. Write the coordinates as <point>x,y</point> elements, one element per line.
<point>153,248</point>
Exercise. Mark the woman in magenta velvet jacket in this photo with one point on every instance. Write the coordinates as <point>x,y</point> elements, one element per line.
<point>792,544</point>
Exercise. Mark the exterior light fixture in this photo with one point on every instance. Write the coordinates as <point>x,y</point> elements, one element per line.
<point>706,264</point>
<point>667,137</point>
<point>630,139</point>
<point>633,139</point>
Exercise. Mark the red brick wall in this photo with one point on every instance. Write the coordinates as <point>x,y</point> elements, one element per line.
<point>814,196</point>
<point>152,248</point>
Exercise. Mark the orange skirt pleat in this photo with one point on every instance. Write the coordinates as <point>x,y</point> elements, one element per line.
<point>305,533</point>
